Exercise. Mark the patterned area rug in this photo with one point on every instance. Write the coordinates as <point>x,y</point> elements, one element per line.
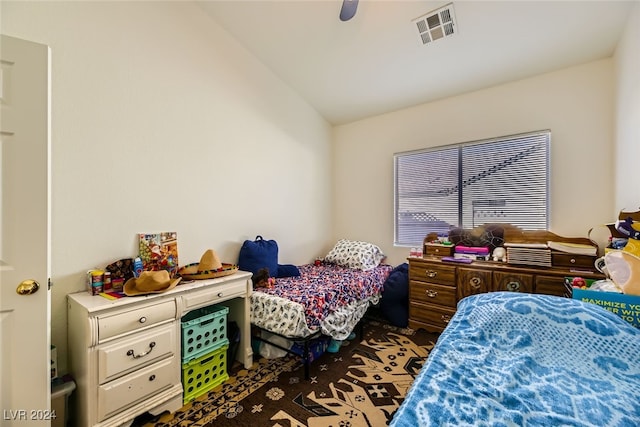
<point>361,385</point>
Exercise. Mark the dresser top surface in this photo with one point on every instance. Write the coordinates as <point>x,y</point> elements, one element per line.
<point>98,302</point>
<point>503,266</point>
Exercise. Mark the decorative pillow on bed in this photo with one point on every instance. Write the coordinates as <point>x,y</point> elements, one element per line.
<point>355,254</point>
<point>287,270</point>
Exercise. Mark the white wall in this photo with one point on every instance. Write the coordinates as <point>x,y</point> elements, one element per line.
<point>162,122</point>
<point>627,172</point>
<point>576,104</point>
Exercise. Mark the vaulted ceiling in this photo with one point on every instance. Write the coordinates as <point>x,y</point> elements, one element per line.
<point>376,62</point>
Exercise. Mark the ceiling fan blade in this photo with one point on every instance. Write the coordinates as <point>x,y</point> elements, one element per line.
<point>348,9</point>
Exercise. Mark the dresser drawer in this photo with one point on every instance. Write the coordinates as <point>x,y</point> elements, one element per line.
<point>433,317</point>
<point>512,282</point>
<point>432,293</point>
<point>438,250</point>
<point>131,389</point>
<point>473,281</point>
<point>552,285</point>
<point>433,273</point>
<point>573,261</point>
<point>135,351</point>
<point>214,294</point>
<point>112,325</point>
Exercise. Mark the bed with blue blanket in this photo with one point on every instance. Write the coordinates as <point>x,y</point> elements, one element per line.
<point>511,359</point>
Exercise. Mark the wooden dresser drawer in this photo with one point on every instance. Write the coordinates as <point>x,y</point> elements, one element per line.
<point>111,325</point>
<point>140,349</point>
<point>552,285</point>
<point>432,293</point>
<point>433,273</point>
<point>573,261</point>
<point>473,281</point>
<point>432,317</point>
<point>512,282</point>
<point>129,390</point>
<point>438,250</point>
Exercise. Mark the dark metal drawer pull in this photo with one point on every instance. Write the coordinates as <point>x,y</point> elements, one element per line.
<point>137,356</point>
<point>513,286</point>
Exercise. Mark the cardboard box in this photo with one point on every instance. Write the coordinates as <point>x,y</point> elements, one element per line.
<point>54,362</point>
<point>625,306</point>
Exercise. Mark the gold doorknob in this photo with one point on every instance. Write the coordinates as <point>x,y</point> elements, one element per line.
<point>27,287</point>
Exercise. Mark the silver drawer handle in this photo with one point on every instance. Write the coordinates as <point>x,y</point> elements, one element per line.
<point>142,319</point>
<point>220,294</point>
<point>445,318</point>
<point>431,274</point>
<point>138,356</point>
<point>431,293</point>
<point>573,261</point>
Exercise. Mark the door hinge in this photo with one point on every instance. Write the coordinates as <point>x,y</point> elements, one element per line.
<point>49,284</point>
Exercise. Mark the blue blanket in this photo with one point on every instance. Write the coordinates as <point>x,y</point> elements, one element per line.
<point>510,359</point>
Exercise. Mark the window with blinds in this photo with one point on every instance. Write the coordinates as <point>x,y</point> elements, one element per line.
<point>501,180</point>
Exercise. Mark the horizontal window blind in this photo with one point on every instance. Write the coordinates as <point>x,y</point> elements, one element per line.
<point>502,180</point>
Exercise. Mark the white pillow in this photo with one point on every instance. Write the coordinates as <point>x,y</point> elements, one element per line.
<point>355,254</point>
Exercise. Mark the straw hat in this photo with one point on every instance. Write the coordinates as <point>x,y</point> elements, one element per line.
<point>209,261</point>
<point>150,282</point>
<point>209,267</point>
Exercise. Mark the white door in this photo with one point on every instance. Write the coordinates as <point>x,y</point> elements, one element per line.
<point>25,395</point>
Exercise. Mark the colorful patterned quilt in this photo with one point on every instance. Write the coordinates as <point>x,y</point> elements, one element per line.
<point>509,359</point>
<point>327,297</point>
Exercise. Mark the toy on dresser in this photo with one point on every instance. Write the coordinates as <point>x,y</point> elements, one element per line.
<point>500,254</point>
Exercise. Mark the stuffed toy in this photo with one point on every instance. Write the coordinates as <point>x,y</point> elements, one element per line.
<point>500,254</point>
<point>262,279</point>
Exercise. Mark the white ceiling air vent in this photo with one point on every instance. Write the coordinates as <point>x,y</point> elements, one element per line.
<point>437,24</point>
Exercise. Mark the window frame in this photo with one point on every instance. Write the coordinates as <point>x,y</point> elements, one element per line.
<point>542,137</point>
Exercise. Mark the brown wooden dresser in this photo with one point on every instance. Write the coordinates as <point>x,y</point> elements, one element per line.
<point>436,286</point>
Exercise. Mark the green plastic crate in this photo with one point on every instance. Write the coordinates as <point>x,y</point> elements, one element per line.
<point>203,374</point>
<point>203,330</point>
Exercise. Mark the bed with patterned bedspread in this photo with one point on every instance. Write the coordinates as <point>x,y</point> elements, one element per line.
<point>509,359</point>
<point>327,298</point>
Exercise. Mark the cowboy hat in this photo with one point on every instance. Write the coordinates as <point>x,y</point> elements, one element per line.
<point>150,282</point>
<point>209,267</point>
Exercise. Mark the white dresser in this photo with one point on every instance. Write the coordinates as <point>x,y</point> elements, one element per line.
<point>125,354</point>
